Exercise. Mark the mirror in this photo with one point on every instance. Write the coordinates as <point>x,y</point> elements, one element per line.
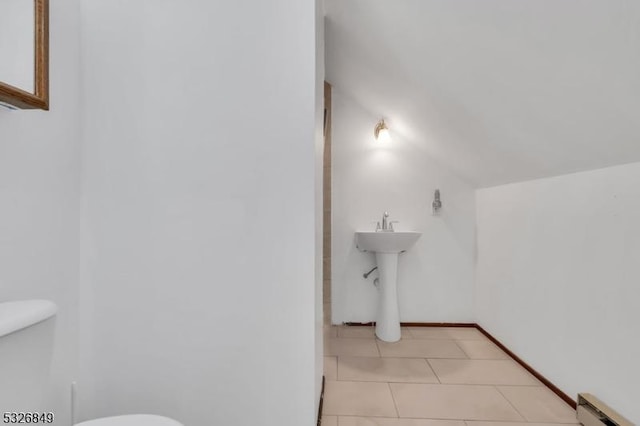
<point>24,54</point>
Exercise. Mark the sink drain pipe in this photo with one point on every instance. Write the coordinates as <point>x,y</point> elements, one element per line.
<point>366,274</point>
<point>376,282</point>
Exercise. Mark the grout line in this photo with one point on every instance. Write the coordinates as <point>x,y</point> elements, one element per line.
<point>524,423</point>
<point>415,418</point>
<point>442,339</point>
<point>433,370</point>
<point>447,419</point>
<point>510,403</point>
<point>462,349</point>
<point>402,383</point>
<point>393,398</point>
<point>468,422</point>
<point>483,385</point>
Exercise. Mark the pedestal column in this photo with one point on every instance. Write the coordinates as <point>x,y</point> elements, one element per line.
<point>388,320</point>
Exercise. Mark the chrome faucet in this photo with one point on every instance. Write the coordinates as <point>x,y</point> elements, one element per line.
<point>385,225</point>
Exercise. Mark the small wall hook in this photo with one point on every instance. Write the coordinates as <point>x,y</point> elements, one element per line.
<point>437,204</point>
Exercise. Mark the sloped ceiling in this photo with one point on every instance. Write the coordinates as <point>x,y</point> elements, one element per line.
<point>498,90</point>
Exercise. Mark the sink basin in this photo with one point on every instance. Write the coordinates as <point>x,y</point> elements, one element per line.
<point>386,242</point>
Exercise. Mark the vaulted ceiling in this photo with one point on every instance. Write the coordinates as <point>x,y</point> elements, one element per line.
<point>497,90</point>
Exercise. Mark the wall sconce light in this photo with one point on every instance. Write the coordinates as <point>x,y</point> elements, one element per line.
<point>381,131</point>
<point>437,204</point>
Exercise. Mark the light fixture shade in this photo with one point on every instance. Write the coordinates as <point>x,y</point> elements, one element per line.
<point>384,136</point>
<point>381,131</point>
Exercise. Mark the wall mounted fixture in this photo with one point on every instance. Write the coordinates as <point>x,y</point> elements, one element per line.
<point>381,131</point>
<point>437,204</point>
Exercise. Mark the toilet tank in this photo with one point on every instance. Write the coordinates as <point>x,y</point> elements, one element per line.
<point>26,348</point>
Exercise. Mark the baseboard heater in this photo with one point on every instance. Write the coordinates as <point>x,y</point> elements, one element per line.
<point>593,412</point>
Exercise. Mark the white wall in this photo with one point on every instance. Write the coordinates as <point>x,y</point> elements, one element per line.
<point>436,276</point>
<point>557,279</point>
<point>39,201</point>
<point>198,215</point>
<point>319,157</point>
<point>508,90</point>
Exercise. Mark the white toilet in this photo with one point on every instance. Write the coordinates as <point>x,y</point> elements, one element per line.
<point>131,420</point>
<point>26,347</point>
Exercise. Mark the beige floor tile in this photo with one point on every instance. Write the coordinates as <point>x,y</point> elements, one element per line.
<point>457,333</point>
<point>482,372</point>
<point>479,423</point>
<point>351,347</point>
<point>539,404</point>
<point>409,370</point>
<point>405,333</point>
<point>358,399</point>
<point>356,332</point>
<point>331,331</point>
<point>465,402</point>
<point>383,421</point>
<point>421,349</point>
<point>330,368</point>
<point>329,420</point>
<point>481,349</point>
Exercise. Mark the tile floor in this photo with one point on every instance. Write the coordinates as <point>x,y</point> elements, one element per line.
<point>432,377</point>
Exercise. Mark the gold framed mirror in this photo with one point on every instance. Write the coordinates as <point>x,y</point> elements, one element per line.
<point>24,54</point>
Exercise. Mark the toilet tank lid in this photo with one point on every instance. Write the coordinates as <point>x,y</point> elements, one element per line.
<point>21,314</point>
<point>131,420</point>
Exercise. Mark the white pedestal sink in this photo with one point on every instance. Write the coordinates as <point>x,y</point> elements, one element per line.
<point>387,246</point>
